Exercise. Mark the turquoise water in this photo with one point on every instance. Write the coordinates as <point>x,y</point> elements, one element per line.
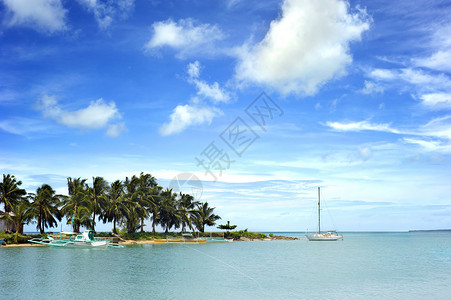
<point>363,266</point>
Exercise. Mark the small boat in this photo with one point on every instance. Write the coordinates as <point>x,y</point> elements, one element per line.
<point>185,239</point>
<point>216,239</point>
<point>76,240</point>
<point>330,235</point>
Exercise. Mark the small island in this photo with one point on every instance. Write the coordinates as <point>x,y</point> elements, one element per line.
<point>126,204</point>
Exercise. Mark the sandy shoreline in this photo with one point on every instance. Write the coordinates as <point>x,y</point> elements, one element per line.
<point>161,241</point>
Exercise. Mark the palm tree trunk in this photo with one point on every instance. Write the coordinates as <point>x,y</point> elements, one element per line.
<point>40,224</point>
<point>142,224</point>
<point>153,225</point>
<point>114,226</point>
<point>94,220</point>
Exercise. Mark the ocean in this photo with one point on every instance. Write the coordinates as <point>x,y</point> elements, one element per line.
<point>362,266</point>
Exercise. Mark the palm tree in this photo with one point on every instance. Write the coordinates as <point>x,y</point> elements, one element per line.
<point>116,207</point>
<point>186,209</point>
<point>77,205</point>
<point>155,206</point>
<point>168,210</point>
<point>97,195</point>
<point>144,197</point>
<point>135,211</point>
<point>205,216</point>
<point>45,207</point>
<point>19,215</point>
<point>10,194</point>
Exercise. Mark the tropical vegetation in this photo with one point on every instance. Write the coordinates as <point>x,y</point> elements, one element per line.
<point>127,204</point>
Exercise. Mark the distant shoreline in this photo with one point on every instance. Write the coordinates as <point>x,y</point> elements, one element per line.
<point>429,230</point>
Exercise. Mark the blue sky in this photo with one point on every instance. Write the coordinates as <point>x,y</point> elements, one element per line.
<point>274,98</point>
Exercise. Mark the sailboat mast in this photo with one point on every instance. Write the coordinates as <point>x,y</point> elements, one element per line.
<point>319,211</point>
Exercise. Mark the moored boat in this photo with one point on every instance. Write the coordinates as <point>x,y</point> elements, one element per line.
<point>216,239</point>
<point>76,240</point>
<point>186,238</point>
<point>330,235</point>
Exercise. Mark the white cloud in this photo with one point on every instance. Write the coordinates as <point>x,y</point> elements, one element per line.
<point>303,49</point>
<point>371,88</point>
<point>431,145</point>
<point>433,136</point>
<point>23,126</point>
<point>417,79</point>
<point>115,130</point>
<point>184,36</point>
<point>197,112</point>
<point>382,74</point>
<point>47,16</point>
<point>212,91</point>
<point>105,11</point>
<point>187,115</point>
<point>97,115</point>
<point>360,126</point>
<point>364,153</point>
<point>440,59</point>
<point>437,100</point>
<point>438,127</point>
<point>194,69</point>
<point>424,80</point>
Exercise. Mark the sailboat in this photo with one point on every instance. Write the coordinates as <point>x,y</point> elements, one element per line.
<point>327,236</point>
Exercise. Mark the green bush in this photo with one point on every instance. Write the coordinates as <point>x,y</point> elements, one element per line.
<point>236,235</point>
<point>9,238</point>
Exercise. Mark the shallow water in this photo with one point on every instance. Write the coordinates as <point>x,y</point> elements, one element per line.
<point>363,266</point>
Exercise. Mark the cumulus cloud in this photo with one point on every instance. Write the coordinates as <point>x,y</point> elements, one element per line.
<point>96,116</point>
<point>212,92</point>
<point>187,115</point>
<point>105,11</point>
<point>202,108</point>
<point>185,36</point>
<point>47,16</point>
<point>303,49</point>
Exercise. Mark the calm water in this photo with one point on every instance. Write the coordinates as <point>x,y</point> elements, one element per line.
<point>363,266</point>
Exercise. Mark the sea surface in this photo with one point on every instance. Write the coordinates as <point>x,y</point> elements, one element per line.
<point>362,266</point>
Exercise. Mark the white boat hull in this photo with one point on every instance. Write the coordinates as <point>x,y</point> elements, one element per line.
<point>323,237</point>
<point>85,240</point>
